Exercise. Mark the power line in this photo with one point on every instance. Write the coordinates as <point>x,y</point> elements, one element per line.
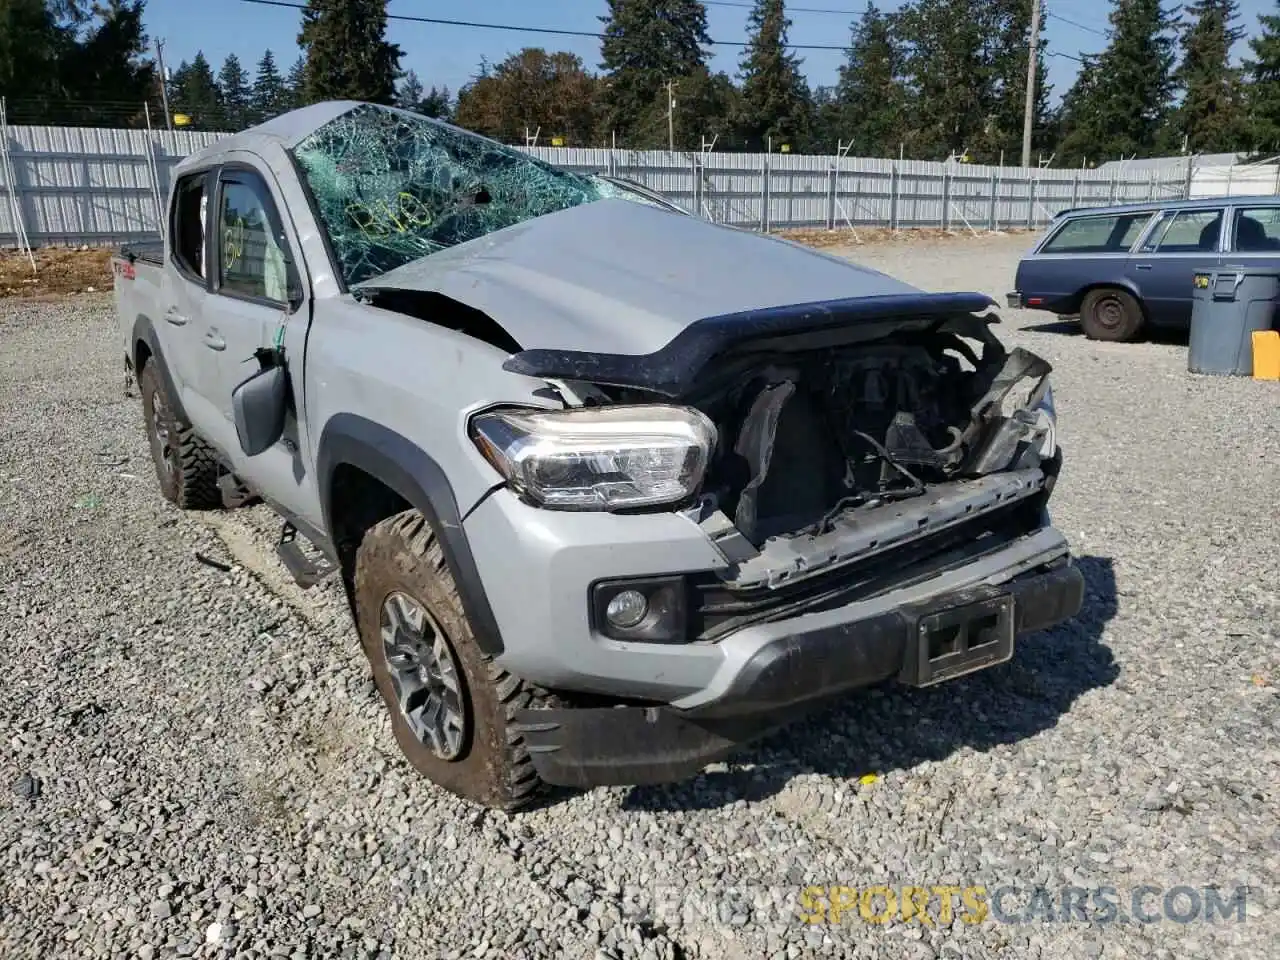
<point>543,30</point>
<point>1077,24</point>
<point>790,9</point>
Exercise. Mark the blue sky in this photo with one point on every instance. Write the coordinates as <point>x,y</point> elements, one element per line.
<point>449,55</point>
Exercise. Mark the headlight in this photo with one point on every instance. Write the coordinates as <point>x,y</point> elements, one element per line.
<point>599,458</point>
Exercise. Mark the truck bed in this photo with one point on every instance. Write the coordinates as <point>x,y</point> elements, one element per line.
<point>143,251</point>
<point>137,276</point>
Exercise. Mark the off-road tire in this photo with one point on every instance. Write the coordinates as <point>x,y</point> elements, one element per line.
<point>1110,314</point>
<point>493,768</point>
<point>188,476</point>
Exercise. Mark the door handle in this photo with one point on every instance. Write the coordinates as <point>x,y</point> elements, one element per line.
<point>213,340</point>
<point>174,317</point>
<point>1142,266</point>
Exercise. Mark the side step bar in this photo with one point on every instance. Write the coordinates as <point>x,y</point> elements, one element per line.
<point>305,571</point>
<point>234,492</point>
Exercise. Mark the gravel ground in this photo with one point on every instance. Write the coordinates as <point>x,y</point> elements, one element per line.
<point>193,761</point>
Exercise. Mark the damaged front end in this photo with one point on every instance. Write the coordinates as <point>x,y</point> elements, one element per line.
<point>848,459</point>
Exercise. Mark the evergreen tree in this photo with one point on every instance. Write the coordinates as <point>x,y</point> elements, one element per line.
<point>531,90</point>
<point>437,103</point>
<point>194,92</point>
<point>646,44</point>
<point>270,95</point>
<point>706,108</point>
<point>348,55</point>
<point>869,102</point>
<point>950,71</point>
<point>1012,36</point>
<point>1263,91</point>
<point>32,44</point>
<point>1211,116</point>
<point>1122,99</point>
<point>775,102</point>
<point>409,93</point>
<point>234,94</point>
<point>107,62</point>
<point>295,84</point>
<point>76,62</point>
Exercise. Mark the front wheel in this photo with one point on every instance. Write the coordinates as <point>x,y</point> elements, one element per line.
<point>1110,314</point>
<point>452,708</point>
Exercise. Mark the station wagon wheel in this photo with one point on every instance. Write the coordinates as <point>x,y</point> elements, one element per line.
<point>1110,314</point>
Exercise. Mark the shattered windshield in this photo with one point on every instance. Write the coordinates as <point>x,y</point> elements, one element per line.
<point>391,187</point>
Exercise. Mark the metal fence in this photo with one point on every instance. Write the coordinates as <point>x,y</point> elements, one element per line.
<point>81,185</point>
<point>784,191</point>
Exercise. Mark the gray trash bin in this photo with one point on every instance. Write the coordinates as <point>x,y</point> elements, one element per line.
<point>1229,304</point>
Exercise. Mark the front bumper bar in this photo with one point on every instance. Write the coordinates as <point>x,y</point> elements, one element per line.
<point>783,680</point>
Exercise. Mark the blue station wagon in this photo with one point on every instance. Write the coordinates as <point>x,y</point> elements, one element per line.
<point>1124,268</point>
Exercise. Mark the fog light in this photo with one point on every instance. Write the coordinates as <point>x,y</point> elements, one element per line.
<point>627,608</point>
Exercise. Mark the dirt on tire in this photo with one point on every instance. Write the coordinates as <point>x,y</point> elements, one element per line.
<point>192,483</point>
<point>493,767</point>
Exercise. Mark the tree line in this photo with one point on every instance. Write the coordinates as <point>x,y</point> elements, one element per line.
<point>931,79</point>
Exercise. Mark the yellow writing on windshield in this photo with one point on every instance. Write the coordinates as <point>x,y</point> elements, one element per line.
<point>380,218</point>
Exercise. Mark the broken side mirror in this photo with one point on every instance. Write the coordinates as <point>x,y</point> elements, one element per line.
<point>259,406</point>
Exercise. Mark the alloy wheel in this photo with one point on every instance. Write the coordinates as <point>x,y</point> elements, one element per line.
<point>425,675</point>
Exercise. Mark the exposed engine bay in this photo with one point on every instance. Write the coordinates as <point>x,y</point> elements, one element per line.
<point>818,434</point>
<point>832,455</point>
<point>834,446</point>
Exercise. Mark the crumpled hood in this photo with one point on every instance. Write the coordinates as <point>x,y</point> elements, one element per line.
<point>614,276</point>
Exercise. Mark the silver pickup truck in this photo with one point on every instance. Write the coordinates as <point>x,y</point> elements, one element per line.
<point>611,489</point>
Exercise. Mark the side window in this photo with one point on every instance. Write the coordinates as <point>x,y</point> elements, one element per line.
<point>1188,231</point>
<point>187,229</point>
<point>1257,230</point>
<point>251,260</point>
<point>1114,233</point>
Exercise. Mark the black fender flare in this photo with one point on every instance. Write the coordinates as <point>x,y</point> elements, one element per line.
<point>145,332</point>
<point>419,480</point>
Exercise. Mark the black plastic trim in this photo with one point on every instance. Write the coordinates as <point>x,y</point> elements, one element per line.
<point>143,251</point>
<point>144,331</point>
<point>209,175</point>
<point>316,537</point>
<point>785,680</point>
<point>864,652</point>
<point>418,479</point>
<point>673,628</point>
<point>674,368</point>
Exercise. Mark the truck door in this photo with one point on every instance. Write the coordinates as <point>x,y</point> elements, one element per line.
<point>1163,267</point>
<point>184,291</point>
<point>259,300</point>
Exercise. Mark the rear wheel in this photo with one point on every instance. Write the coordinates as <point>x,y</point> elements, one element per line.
<point>186,467</point>
<point>1110,314</point>
<point>452,708</point>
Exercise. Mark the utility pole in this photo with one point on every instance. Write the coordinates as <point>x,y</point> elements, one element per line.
<point>164,84</point>
<point>671,115</point>
<point>1032,62</point>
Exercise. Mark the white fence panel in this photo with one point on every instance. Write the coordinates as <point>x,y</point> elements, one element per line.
<point>98,186</point>
<point>1240,180</point>
<point>90,185</point>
